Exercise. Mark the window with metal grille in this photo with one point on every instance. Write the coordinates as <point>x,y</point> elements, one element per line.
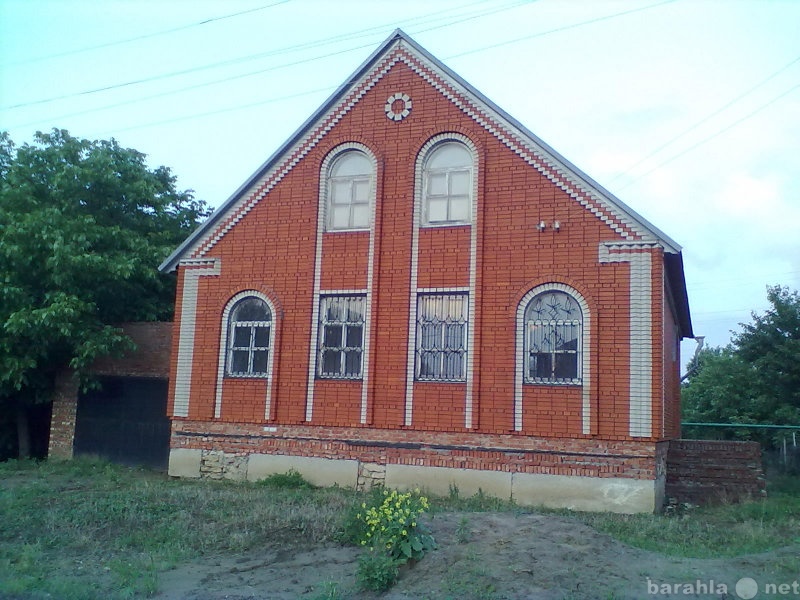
<point>341,337</point>
<point>249,336</point>
<point>349,190</point>
<point>553,339</point>
<point>448,185</point>
<point>441,337</point>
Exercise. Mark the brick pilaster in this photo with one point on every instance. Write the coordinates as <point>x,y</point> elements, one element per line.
<point>62,422</point>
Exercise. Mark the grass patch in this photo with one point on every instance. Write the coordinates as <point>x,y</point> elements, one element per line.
<point>455,501</point>
<point>725,530</point>
<point>87,529</point>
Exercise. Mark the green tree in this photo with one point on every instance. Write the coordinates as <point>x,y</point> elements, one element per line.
<point>771,345</point>
<point>754,380</point>
<point>83,227</point>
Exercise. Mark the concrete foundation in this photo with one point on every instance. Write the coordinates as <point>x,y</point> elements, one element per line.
<point>319,471</point>
<point>597,494</point>
<point>441,480</point>
<point>582,493</point>
<point>184,462</point>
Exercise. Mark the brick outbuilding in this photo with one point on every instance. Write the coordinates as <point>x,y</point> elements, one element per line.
<point>416,290</point>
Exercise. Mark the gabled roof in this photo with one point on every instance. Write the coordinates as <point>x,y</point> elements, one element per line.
<point>400,47</point>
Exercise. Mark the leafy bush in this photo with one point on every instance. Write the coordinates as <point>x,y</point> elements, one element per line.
<point>292,479</point>
<point>391,533</point>
<point>377,570</point>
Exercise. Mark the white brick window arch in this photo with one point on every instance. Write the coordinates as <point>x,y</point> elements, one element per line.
<point>349,184</point>
<point>248,335</point>
<point>247,343</point>
<point>552,344</point>
<point>553,338</point>
<point>448,181</point>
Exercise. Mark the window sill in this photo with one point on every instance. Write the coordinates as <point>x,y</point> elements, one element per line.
<point>445,224</point>
<point>353,230</point>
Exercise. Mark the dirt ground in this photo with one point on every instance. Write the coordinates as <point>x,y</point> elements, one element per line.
<point>487,556</point>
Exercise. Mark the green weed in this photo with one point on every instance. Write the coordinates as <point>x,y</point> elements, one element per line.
<point>377,570</point>
<point>292,480</point>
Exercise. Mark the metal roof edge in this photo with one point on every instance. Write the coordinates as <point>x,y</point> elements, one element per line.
<point>590,183</point>
<point>171,262</point>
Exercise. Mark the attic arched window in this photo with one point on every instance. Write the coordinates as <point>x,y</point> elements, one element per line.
<point>553,338</point>
<point>349,184</point>
<point>249,338</point>
<point>447,184</point>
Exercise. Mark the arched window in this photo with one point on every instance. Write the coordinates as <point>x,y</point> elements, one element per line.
<point>349,191</point>
<point>447,191</point>
<point>553,339</point>
<point>249,337</point>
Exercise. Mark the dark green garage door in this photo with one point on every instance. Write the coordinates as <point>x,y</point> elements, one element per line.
<point>125,421</point>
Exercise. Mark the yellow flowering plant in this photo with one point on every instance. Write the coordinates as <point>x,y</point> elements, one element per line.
<point>393,525</point>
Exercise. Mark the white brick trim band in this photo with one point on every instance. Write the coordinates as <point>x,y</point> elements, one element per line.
<point>321,221</point>
<point>223,351</point>
<point>585,353</point>
<point>194,269</point>
<point>641,334</point>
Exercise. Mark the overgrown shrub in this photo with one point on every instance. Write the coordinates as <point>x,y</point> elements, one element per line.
<point>292,479</point>
<point>391,533</point>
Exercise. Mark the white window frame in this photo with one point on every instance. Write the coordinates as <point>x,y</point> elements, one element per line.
<point>448,172</point>
<point>556,326</point>
<point>352,181</point>
<point>342,348</point>
<point>252,348</point>
<point>440,350</point>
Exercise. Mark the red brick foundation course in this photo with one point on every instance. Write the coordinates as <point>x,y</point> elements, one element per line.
<point>706,472</point>
<point>509,453</point>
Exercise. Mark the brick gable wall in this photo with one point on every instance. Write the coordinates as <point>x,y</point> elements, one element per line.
<point>276,246</point>
<point>513,257</point>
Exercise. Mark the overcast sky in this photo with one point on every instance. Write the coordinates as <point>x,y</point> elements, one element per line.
<point>687,110</point>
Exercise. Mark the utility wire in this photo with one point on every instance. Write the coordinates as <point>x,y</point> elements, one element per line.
<point>572,26</point>
<point>216,112</point>
<point>705,119</point>
<point>294,48</point>
<point>712,136</point>
<point>241,107</point>
<point>557,29</point>
<point>144,36</point>
<point>318,43</point>
<point>249,105</point>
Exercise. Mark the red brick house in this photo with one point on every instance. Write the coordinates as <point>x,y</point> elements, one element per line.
<point>414,289</point>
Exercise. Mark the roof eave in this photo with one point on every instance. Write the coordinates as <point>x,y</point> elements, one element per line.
<point>673,266</point>
<point>171,262</point>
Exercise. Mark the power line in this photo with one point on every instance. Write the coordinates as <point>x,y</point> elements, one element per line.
<point>572,26</point>
<point>715,283</point>
<point>250,57</point>
<point>557,29</point>
<point>712,136</point>
<point>145,36</point>
<point>289,64</point>
<point>350,36</point>
<point>705,119</point>
<point>219,111</point>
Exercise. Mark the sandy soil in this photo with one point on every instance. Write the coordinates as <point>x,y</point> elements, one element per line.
<point>486,556</point>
